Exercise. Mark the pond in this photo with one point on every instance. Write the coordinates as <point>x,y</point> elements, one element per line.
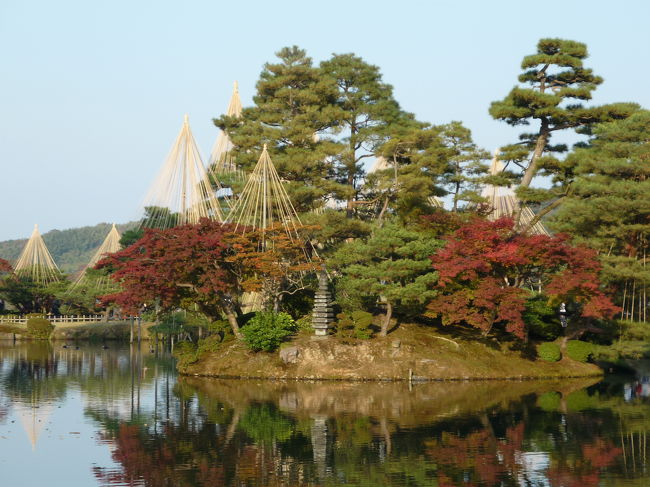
<point>121,416</point>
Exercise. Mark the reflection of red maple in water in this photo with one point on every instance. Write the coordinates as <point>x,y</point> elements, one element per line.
<point>155,464</point>
<point>489,459</point>
<point>585,471</point>
<point>481,459</point>
<point>174,458</point>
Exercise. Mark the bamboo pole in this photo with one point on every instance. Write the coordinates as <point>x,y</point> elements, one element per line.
<point>633,295</point>
<point>645,287</point>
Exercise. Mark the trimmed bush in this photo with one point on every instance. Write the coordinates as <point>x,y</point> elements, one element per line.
<point>549,351</point>
<point>39,328</point>
<point>267,330</point>
<point>354,325</point>
<point>579,350</point>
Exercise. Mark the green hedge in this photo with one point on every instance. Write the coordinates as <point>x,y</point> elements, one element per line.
<point>549,351</point>
<point>39,328</point>
<point>579,350</point>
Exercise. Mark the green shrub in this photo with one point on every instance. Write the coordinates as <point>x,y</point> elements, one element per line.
<point>634,330</point>
<point>267,330</point>
<point>304,324</point>
<point>185,353</point>
<point>39,328</point>
<point>579,350</point>
<point>549,351</point>
<point>541,319</point>
<point>354,325</point>
<point>209,344</point>
<point>222,329</point>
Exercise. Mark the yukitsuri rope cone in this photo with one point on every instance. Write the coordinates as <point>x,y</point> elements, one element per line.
<point>504,202</point>
<point>182,192</point>
<point>262,204</point>
<point>110,245</point>
<point>35,261</point>
<point>221,160</point>
<point>33,418</point>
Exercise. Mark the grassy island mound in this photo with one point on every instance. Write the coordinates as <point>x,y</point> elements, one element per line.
<point>409,351</point>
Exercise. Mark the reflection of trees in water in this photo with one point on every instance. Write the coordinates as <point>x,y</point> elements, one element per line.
<point>208,432</point>
<point>566,438</point>
<point>30,374</point>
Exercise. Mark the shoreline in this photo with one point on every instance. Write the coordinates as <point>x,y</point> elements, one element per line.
<point>419,380</point>
<point>411,354</point>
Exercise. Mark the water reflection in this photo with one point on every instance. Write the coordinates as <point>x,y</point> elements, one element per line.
<point>164,431</point>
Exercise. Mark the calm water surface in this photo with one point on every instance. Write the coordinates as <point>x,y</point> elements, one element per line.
<point>118,417</point>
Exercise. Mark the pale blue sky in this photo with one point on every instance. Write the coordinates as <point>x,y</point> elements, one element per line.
<point>93,93</point>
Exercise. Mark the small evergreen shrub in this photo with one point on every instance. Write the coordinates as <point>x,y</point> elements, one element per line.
<point>222,329</point>
<point>579,350</point>
<point>549,351</point>
<point>39,328</point>
<point>185,353</point>
<point>267,330</point>
<point>542,319</point>
<point>633,330</point>
<point>304,324</point>
<point>354,325</point>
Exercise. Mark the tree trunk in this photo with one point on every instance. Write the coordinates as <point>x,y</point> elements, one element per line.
<point>386,322</point>
<point>540,145</point>
<point>232,320</point>
<point>381,213</point>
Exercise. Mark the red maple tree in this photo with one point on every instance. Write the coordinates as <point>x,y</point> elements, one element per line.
<point>207,264</point>
<point>486,273</point>
<point>5,266</point>
<point>169,266</point>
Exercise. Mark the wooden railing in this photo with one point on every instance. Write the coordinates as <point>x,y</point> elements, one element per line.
<point>54,318</point>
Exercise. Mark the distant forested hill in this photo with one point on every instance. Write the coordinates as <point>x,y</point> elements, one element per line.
<point>71,249</point>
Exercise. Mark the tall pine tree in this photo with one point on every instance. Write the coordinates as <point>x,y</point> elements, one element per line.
<point>425,162</point>
<point>294,106</point>
<point>609,208</point>
<point>558,84</point>
<point>368,112</point>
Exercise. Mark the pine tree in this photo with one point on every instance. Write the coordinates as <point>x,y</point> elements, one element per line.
<point>425,162</point>
<point>609,208</point>
<point>368,112</point>
<point>558,85</point>
<point>413,164</point>
<point>294,108</point>
<point>465,164</point>
<point>392,266</point>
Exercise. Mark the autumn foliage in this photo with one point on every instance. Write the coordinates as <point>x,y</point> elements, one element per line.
<point>5,266</point>
<point>207,264</point>
<point>486,273</point>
